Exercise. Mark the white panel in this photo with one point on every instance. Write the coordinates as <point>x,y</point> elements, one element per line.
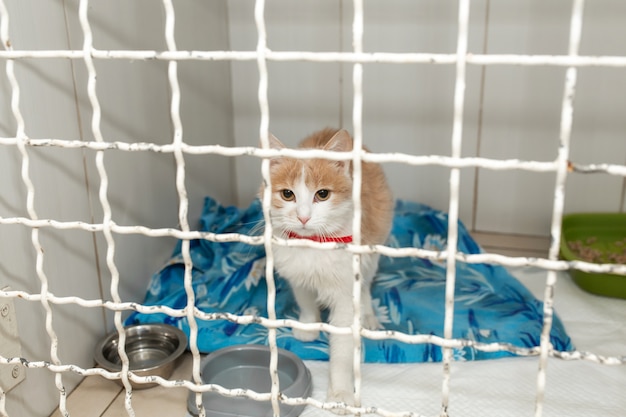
<point>10,345</point>
<point>206,101</point>
<point>598,138</point>
<point>603,28</point>
<point>135,101</point>
<point>134,97</point>
<point>409,108</point>
<point>246,117</point>
<point>49,109</point>
<point>304,97</point>
<point>599,122</point>
<point>521,115</point>
<point>409,26</point>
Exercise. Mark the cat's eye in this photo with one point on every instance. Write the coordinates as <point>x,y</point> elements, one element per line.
<point>287,195</point>
<point>322,195</point>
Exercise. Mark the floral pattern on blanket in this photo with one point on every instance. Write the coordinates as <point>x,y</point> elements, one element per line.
<point>408,293</point>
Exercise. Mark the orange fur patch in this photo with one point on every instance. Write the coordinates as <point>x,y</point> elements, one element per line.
<point>376,197</point>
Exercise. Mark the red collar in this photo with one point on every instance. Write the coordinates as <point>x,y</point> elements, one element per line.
<point>321,239</point>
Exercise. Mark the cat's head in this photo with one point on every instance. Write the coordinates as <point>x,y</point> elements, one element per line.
<point>312,197</point>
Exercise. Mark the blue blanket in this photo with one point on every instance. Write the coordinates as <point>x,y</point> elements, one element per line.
<point>408,293</point>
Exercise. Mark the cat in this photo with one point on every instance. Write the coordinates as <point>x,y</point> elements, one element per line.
<point>312,199</point>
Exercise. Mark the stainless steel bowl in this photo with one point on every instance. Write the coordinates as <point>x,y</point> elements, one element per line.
<point>152,350</point>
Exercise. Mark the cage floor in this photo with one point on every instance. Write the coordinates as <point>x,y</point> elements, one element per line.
<point>98,397</point>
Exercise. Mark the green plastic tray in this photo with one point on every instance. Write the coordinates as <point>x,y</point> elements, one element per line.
<point>598,238</point>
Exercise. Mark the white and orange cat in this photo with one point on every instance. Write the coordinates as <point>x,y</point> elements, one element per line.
<point>312,199</point>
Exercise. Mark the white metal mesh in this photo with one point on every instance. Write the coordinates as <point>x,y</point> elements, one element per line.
<point>561,166</point>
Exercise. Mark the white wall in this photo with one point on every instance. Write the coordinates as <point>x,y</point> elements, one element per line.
<point>49,109</point>
<point>409,108</point>
<point>136,108</point>
<point>521,114</point>
<point>303,96</point>
<point>513,112</point>
<point>135,100</point>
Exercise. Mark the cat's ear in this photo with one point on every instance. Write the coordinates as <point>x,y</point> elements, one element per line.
<point>341,142</point>
<point>275,144</point>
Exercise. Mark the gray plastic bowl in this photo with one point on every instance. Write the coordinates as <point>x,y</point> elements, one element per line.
<point>152,349</point>
<point>247,366</point>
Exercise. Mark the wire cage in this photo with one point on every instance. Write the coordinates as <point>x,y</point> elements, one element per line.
<point>109,214</point>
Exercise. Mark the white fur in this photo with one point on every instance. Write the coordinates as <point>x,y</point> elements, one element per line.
<point>325,278</point>
<point>325,217</point>
<point>304,205</point>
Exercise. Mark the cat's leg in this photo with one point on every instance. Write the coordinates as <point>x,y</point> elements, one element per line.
<point>341,347</point>
<point>368,315</point>
<point>341,377</point>
<point>309,313</point>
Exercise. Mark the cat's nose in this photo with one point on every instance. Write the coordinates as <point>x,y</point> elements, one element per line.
<point>304,219</point>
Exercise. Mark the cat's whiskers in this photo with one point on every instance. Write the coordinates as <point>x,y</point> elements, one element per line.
<point>283,220</point>
<point>257,229</point>
<point>325,233</point>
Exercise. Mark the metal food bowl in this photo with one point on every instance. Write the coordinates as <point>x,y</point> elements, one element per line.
<point>152,350</point>
<point>247,367</point>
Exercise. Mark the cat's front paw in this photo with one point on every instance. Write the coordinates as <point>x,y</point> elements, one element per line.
<point>345,397</point>
<point>370,322</point>
<point>306,335</point>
